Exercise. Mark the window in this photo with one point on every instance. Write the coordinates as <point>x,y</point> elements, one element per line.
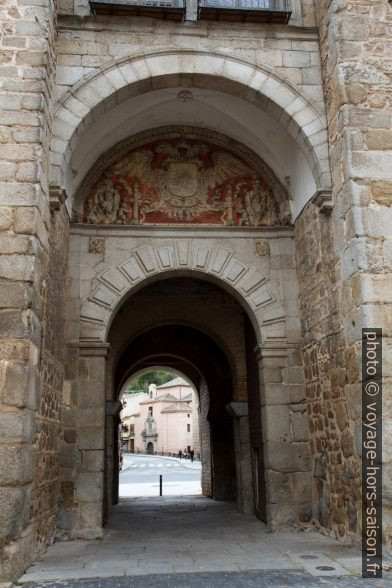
<point>189,416</point>
<point>150,411</point>
<point>188,428</point>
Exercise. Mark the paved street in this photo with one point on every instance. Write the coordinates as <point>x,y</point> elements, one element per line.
<point>195,542</point>
<point>140,476</point>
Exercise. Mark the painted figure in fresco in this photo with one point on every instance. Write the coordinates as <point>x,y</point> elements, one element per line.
<point>258,207</point>
<point>181,181</point>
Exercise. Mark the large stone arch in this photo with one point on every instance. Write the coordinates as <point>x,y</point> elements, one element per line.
<point>183,257</point>
<point>80,106</point>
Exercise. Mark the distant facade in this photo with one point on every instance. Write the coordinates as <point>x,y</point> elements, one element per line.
<point>130,404</point>
<point>167,421</point>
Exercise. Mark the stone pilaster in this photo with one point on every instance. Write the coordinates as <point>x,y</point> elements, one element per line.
<point>243,456</point>
<point>285,436</point>
<point>87,454</point>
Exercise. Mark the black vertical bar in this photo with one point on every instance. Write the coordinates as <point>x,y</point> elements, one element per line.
<point>160,484</point>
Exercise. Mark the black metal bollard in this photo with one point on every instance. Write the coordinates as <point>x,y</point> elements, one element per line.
<point>160,484</point>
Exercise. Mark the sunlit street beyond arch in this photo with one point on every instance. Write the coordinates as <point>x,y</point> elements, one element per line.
<point>140,476</point>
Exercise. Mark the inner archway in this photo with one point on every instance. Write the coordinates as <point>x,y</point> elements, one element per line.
<point>201,331</point>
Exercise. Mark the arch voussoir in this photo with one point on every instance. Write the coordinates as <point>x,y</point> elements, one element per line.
<point>115,283</point>
<point>258,84</point>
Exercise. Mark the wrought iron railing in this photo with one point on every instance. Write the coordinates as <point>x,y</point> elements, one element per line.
<point>125,3</point>
<point>252,10</point>
<point>272,11</point>
<point>119,7</point>
<point>268,5</point>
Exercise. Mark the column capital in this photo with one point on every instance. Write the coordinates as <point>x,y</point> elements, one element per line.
<point>237,409</point>
<point>275,350</point>
<point>92,349</point>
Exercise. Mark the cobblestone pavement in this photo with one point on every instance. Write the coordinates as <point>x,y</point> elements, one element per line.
<point>194,541</point>
<point>251,579</point>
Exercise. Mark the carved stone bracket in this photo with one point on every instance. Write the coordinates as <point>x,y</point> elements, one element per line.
<point>57,197</point>
<point>237,409</point>
<point>96,349</point>
<point>324,200</point>
<point>113,407</point>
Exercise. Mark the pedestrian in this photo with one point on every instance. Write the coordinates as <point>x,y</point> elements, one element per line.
<point>191,453</point>
<point>180,454</point>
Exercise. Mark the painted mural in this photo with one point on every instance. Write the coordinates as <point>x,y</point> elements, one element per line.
<point>181,181</point>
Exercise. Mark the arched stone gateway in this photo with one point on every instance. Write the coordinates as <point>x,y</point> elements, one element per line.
<point>91,100</point>
<point>182,252</point>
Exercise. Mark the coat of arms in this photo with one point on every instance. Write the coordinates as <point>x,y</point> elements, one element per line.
<point>181,180</point>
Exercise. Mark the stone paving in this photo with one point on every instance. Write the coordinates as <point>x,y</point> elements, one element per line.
<point>194,541</point>
<point>250,579</point>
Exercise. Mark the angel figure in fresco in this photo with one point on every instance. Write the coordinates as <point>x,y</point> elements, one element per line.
<point>107,206</point>
<point>257,206</point>
<point>122,216</point>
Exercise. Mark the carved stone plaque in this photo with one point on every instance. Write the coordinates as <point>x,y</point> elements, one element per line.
<point>181,180</point>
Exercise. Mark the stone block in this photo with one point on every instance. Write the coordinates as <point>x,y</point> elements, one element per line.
<point>382,192</point>
<point>91,417</point>
<point>14,512</point>
<point>275,423</point>
<point>20,325</point>
<point>17,427</point>
<point>365,118</point>
<point>7,172</point>
<point>68,76</point>
<point>302,486</point>
<point>69,456</point>
<point>278,487</point>
<point>92,461</point>
<point>16,465</point>
<point>17,267</point>
<point>293,375</point>
<point>299,422</point>
<point>276,394</point>
<point>15,294</point>
<point>89,487</point>
<point>91,438</point>
<point>296,59</point>
<point>19,387</point>
<point>281,514</point>
<point>90,515</point>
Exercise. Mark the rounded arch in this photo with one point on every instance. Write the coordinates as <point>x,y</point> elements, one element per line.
<point>260,85</point>
<point>137,371</point>
<point>185,257</point>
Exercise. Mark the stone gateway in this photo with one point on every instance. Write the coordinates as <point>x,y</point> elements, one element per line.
<point>204,189</point>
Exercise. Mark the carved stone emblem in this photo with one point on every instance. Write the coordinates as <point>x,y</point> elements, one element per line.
<point>181,180</point>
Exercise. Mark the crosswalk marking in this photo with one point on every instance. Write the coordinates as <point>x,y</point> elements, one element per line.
<point>153,465</point>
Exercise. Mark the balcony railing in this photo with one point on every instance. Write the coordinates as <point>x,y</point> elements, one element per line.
<point>265,11</point>
<point>272,11</point>
<point>165,9</point>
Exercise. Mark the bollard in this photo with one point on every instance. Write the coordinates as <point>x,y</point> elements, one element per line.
<point>160,484</point>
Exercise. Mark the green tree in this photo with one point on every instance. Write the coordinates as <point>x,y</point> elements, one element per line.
<point>141,383</point>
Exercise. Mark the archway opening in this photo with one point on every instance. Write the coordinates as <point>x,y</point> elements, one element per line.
<point>194,327</point>
<point>159,435</point>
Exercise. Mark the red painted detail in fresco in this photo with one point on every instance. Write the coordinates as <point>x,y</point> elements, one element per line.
<point>181,181</point>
